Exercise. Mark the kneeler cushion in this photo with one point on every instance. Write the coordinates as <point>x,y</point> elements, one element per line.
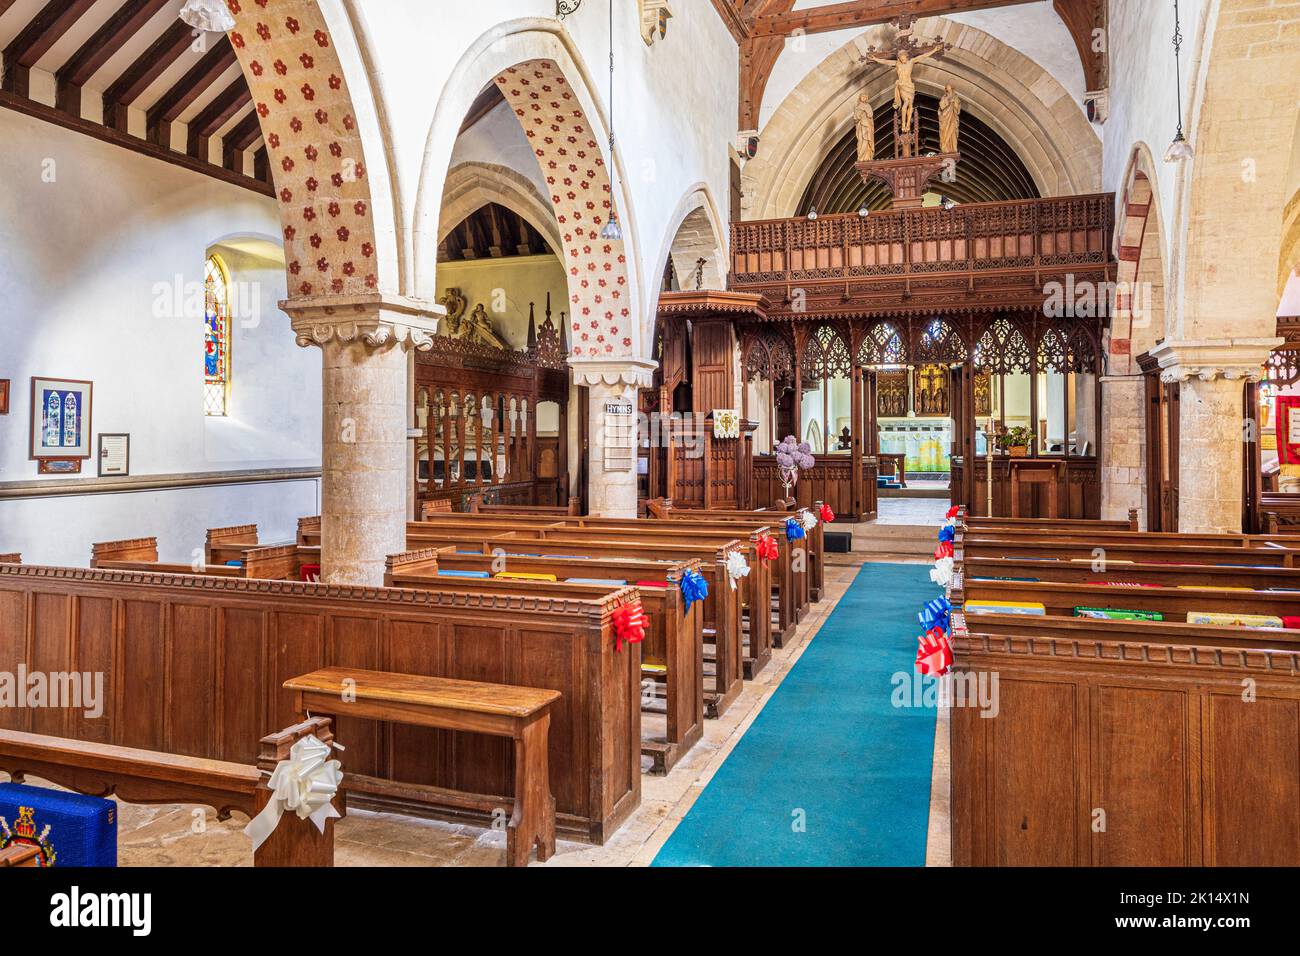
<point>68,828</point>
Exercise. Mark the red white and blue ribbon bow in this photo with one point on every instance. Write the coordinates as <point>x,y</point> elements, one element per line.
<point>952,513</point>
<point>630,622</point>
<point>794,530</point>
<point>934,655</point>
<point>694,588</point>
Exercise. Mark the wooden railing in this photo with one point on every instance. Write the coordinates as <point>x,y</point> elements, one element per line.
<point>978,238</point>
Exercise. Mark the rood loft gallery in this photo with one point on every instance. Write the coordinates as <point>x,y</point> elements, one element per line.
<point>604,432</point>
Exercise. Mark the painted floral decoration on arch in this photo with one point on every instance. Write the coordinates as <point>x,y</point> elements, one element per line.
<point>575,171</point>
<point>313,144</point>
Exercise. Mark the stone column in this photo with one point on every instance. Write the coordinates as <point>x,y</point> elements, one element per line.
<point>1211,425</point>
<point>612,477</point>
<point>364,342</point>
<point>1123,447</point>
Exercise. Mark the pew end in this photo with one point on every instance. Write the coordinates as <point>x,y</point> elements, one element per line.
<point>295,842</point>
<point>228,544</point>
<point>130,550</point>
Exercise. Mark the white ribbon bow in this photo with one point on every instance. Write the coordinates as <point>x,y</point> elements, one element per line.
<point>809,521</point>
<point>737,568</point>
<point>305,783</point>
<point>942,572</point>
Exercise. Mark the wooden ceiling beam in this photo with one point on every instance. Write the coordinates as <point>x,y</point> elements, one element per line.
<point>860,13</point>
<point>243,135</point>
<point>103,44</point>
<point>35,40</point>
<point>197,80</point>
<point>215,115</point>
<point>148,66</point>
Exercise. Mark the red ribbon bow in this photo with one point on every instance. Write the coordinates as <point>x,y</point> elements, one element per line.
<point>943,551</point>
<point>630,622</point>
<point>934,656</point>
<point>827,515</point>
<point>952,512</point>
<point>767,549</point>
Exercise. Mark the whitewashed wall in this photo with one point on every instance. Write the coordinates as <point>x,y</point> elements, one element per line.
<point>88,290</point>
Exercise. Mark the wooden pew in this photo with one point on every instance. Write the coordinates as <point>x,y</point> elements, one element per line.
<point>196,665</point>
<point>521,715</point>
<point>755,590</point>
<point>1183,736</point>
<point>224,545</point>
<point>1114,551</point>
<point>671,655</point>
<point>1161,575</point>
<point>146,776</point>
<point>273,563</point>
<point>1048,525</point>
<point>477,505</point>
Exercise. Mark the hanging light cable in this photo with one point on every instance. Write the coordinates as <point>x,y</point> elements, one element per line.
<point>1179,149</point>
<point>612,231</point>
<point>210,15</point>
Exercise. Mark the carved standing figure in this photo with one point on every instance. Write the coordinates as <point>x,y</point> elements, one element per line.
<point>864,117</point>
<point>949,120</point>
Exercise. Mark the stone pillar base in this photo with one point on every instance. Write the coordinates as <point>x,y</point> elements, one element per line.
<point>612,478</point>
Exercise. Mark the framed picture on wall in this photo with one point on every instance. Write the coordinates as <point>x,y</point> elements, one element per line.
<point>114,455</point>
<point>61,419</point>
<point>4,396</point>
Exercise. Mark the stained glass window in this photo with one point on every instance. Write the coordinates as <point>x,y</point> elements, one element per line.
<point>216,337</point>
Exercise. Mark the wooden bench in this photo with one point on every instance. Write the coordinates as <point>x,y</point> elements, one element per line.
<point>1183,737</point>
<point>224,545</point>
<point>672,661</point>
<point>754,591</point>
<point>1115,551</point>
<point>1048,525</point>
<point>477,505</point>
<point>144,776</point>
<point>521,714</point>
<point>197,664</point>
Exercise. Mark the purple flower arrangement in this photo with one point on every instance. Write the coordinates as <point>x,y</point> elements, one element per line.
<point>792,457</point>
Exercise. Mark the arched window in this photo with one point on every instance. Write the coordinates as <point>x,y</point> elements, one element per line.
<point>216,338</point>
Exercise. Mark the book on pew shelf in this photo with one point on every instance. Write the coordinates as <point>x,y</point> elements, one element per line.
<point>1123,584</point>
<point>567,557</point>
<point>652,584</point>
<point>68,829</point>
<point>1233,620</point>
<point>654,668</point>
<point>1283,590</point>
<point>1117,614</point>
<point>234,564</point>
<point>1209,587</point>
<point>1006,607</point>
<point>523,576</point>
<point>602,582</point>
<point>1010,580</point>
<point>1108,561</point>
<point>478,575</point>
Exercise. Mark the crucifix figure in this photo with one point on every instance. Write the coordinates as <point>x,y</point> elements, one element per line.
<point>903,57</point>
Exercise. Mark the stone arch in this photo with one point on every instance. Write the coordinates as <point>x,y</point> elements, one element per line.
<point>1138,315</point>
<point>696,231</point>
<point>472,185</point>
<point>1015,96</point>
<point>325,145</point>
<point>544,80</point>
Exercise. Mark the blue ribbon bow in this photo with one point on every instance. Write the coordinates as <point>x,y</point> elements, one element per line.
<point>694,588</point>
<point>936,613</point>
<point>794,529</point>
<point>947,533</point>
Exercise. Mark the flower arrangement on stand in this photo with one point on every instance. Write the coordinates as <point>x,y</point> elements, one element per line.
<point>792,457</point>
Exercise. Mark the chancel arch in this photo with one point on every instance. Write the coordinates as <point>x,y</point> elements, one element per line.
<point>1014,96</point>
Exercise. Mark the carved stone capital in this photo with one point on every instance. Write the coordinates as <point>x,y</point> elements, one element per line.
<point>377,320</point>
<point>1210,359</point>
<point>637,373</point>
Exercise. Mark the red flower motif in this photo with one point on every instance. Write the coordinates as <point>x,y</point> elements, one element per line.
<point>343,233</point>
<point>359,208</point>
<point>308,61</point>
<point>237,40</point>
<point>349,122</point>
<point>333,209</point>
<point>310,153</point>
<point>263,110</point>
<point>322,38</point>
<point>274,140</point>
<point>337,285</point>
<point>367,249</point>
<point>289,233</point>
<point>280,96</point>
<point>308,93</point>
<point>256,67</point>
<point>234,6</point>
<point>315,240</point>
<point>264,31</point>
<point>336,81</point>
<point>291,25</point>
<point>305,288</point>
<point>336,150</point>
<point>295,124</point>
<point>349,268</point>
<point>372,281</point>
<point>286,195</point>
<point>311,184</point>
<point>294,267</point>
<point>308,213</point>
<point>322,264</point>
<point>281,67</point>
<point>322,117</point>
<point>286,164</point>
<point>337,179</point>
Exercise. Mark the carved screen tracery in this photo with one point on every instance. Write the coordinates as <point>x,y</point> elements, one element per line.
<point>825,356</point>
<point>940,345</point>
<point>1002,349</point>
<point>883,346</point>
<point>769,358</point>
<point>1283,367</point>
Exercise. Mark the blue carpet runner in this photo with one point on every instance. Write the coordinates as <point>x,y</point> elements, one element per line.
<point>829,749</point>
